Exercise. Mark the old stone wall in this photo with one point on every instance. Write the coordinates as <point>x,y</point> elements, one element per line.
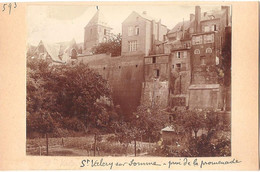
<point>125,76</point>
<point>206,96</point>
<point>155,92</point>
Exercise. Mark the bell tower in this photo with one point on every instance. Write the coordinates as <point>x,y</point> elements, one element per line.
<point>96,31</point>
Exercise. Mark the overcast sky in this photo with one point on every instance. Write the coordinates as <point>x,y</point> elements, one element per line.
<point>63,23</point>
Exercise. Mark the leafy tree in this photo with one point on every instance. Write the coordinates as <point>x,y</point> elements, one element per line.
<point>209,143</point>
<point>113,46</point>
<point>148,121</point>
<point>59,94</point>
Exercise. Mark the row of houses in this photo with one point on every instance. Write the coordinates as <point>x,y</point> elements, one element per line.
<point>179,62</point>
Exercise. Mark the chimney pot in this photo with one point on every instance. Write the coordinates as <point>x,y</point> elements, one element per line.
<point>144,12</point>
<point>192,16</point>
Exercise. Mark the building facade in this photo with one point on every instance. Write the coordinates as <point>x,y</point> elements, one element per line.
<point>141,33</point>
<point>196,50</point>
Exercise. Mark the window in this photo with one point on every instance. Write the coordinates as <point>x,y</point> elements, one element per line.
<point>185,54</point>
<point>206,29</point>
<point>197,51</point>
<point>208,50</point>
<point>208,38</point>
<point>184,45</point>
<point>178,66</point>
<point>156,73</point>
<point>173,66</point>
<point>202,61</point>
<point>105,32</point>
<point>188,45</point>
<point>214,27</point>
<point>130,31</point>
<point>132,45</point>
<point>136,30</point>
<point>154,59</point>
<point>178,55</point>
<point>197,40</point>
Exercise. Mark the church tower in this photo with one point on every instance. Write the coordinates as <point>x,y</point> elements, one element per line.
<point>96,31</point>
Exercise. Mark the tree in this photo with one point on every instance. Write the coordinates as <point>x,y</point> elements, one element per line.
<point>59,94</point>
<point>148,121</point>
<point>207,144</point>
<point>113,46</point>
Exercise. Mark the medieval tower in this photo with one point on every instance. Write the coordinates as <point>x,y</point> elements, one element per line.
<point>96,31</point>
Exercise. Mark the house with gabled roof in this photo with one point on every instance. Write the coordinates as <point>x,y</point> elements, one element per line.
<point>60,52</point>
<point>141,33</point>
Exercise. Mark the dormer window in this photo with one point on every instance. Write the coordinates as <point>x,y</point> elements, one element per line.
<point>105,32</point>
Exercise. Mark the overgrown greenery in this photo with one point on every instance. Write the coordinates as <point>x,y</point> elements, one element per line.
<point>214,140</point>
<point>64,99</point>
<point>113,46</point>
<point>72,97</point>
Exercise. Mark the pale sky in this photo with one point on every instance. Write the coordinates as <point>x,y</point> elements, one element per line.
<point>63,23</point>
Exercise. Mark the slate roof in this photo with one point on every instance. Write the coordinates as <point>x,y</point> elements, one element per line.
<point>98,19</point>
<point>212,14</point>
<point>204,17</point>
<point>179,27</point>
<point>147,17</point>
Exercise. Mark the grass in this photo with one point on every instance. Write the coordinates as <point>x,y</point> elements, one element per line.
<point>84,146</point>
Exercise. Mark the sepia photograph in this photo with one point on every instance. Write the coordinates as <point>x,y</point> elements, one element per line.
<point>128,80</point>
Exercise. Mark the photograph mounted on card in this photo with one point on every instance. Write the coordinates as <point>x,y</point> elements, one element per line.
<point>148,83</point>
<point>129,85</point>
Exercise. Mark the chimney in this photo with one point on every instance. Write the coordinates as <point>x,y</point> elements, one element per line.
<point>159,30</point>
<point>227,9</point>
<point>144,12</point>
<point>183,29</point>
<point>192,16</point>
<point>153,34</point>
<point>197,19</point>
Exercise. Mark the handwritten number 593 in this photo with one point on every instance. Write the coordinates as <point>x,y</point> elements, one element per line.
<point>10,7</point>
